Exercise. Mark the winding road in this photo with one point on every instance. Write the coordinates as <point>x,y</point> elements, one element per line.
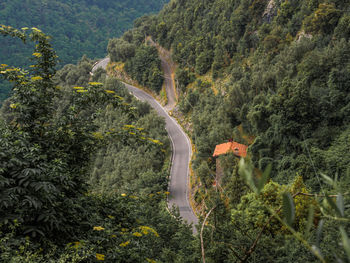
<point>181,146</point>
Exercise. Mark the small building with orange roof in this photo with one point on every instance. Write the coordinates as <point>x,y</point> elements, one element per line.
<point>239,150</point>
<point>236,148</point>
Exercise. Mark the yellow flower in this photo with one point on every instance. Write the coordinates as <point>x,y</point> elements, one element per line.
<point>111,217</point>
<point>97,135</point>
<point>137,234</point>
<point>132,133</point>
<point>100,257</point>
<point>114,236</point>
<point>98,228</point>
<point>123,194</point>
<point>13,106</point>
<point>36,54</point>
<point>36,78</point>
<point>76,244</point>
<point>95,83</point>
<point>24,28</point>
<point>116,96</point>
<point>155,141</point>
<point>78,88</point>
<point>35,29</point>
<point>81,90</point>
<point>146,230</point>
<point>109,91</point>
<point>4,65</point>
<point>124,244</point>
<point>129,126</point>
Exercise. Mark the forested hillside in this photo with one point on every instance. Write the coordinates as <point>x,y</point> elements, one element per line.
<point>273,75</point>
<point>83,168</point>
<point>79,27</point>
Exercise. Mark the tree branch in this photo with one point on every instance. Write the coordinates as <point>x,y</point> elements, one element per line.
<point>201,235</point>
<point>253,246</point>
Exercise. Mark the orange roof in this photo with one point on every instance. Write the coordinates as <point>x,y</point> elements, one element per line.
<point>234,147</point>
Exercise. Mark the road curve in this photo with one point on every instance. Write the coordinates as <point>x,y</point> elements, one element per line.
<point>100,64</point>
<point>182,151</point>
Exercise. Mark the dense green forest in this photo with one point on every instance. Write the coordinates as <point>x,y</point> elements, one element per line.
<point>273,75</point>
<point>141,62</point>
<point>79,27</point>
<point>66,193</point>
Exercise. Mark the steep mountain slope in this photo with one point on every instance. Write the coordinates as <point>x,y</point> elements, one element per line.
<point>273,75</point>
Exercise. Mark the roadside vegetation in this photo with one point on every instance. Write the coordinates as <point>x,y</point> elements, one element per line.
<point>139,60</point>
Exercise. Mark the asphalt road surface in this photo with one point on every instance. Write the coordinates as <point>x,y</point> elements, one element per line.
<point>169,85</point>
<point>101,64</point>
<point>182,151</point>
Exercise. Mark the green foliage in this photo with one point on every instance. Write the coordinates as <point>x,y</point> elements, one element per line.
<point>285,94</point>
<point>184,77</point>
<point>288,208</point>
<point>120,50</point>
<point>323,20</point>
<point>272,198</point>
<point>145,68</point>
<point>281,86</point>
<point>343,30</point>
<point>78,75</point>
<point>44,156</point>
<point>49,138</point>
<point>295,201</point>
<point>142,62</point>
<point>203,62</point>
<point>80,27</point>
<point>118,229</point>
<point>188,103</point>
<point>136,167</point>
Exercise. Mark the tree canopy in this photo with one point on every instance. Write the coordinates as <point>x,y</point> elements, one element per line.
<point>79,27</point>
<point>272,75</point>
